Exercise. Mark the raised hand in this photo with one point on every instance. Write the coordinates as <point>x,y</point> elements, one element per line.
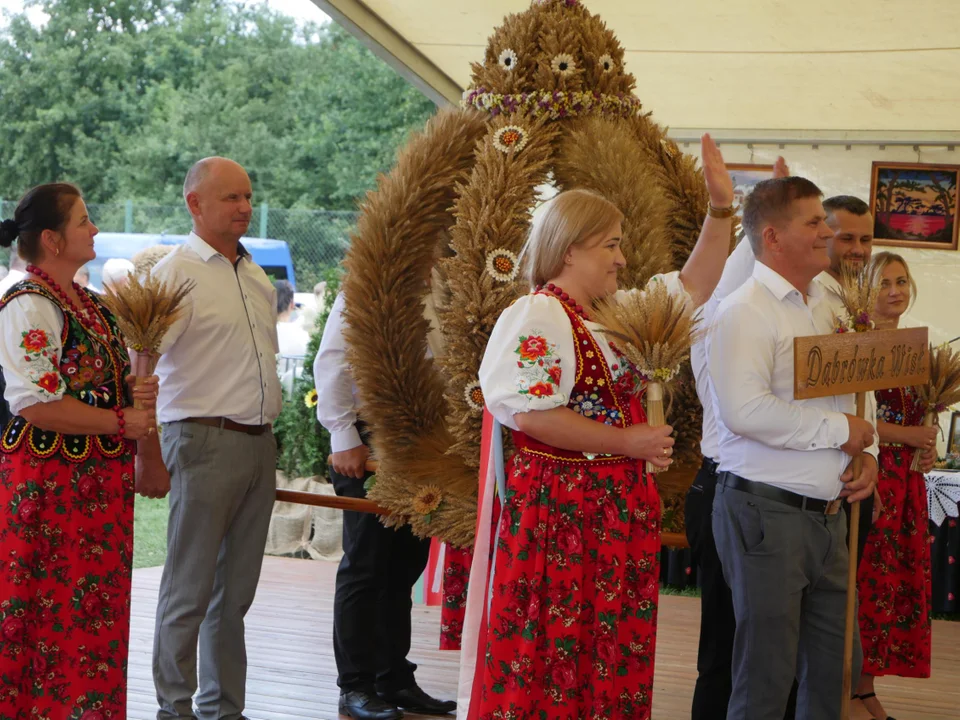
<point>715,173</point>
<point>780,169</point>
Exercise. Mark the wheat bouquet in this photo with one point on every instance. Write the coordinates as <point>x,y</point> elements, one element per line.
<point>654,330</point>
<point>941,392</point>
<point>145,311</point>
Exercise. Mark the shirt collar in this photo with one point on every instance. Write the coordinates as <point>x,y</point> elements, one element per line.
<point>829,283</point>
<point>781,288</point>
<point>205,251</point>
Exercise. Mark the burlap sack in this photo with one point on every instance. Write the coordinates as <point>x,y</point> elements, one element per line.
<point>302,530</point>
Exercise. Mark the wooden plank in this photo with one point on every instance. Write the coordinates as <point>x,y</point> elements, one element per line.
<point>292,672</point>
<point>843,363</point>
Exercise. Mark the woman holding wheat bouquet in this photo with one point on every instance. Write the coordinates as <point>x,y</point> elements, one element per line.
<point>894,575</point>
<point>66,474</point>
<point>571,625</point>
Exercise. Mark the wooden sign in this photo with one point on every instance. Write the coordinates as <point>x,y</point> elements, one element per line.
<point>843,363</point>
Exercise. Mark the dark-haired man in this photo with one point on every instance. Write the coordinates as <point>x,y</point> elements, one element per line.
<point>852,223</point>
<point>784,466</point>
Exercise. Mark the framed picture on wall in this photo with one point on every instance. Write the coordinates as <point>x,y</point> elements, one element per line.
<point>745,176</point>
<point>953,439</point>
<point>915,204</point>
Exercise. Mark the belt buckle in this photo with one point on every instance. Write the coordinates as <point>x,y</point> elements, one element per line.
<point>833,507</point>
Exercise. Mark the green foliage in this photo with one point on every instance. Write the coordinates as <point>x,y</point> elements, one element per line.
<point>122,97</point>
<point>303,443</point>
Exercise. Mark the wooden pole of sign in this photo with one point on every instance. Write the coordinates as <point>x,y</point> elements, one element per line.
<point>853,539</point>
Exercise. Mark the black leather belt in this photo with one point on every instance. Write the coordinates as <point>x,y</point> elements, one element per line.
<point>710,465</point>
<point>735,482</point>
<point>219,422</point>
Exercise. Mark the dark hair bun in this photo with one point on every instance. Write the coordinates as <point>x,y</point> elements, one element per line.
<point>8,232</point>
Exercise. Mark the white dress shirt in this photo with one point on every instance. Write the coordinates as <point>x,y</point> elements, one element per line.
<point>736,271</point>
<point>338,399</point>
<point>765,434</point>
<point>337,396</point>
<point>219,358</point>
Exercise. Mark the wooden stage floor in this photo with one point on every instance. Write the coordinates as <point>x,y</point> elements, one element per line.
<point>292,675</point>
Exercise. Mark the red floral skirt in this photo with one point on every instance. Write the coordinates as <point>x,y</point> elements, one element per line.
<point>66,536</point>
<point>894,576</point>
<point>571,629</point>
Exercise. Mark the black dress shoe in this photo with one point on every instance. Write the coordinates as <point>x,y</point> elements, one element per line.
<point>418,702</point>
<point>367,706</point>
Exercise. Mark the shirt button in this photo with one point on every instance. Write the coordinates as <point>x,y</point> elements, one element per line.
<point>813,444</point>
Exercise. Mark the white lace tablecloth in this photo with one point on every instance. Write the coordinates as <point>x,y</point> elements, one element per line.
<point>943,494</point>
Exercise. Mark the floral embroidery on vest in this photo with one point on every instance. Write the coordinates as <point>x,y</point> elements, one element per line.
<point>91,369</point>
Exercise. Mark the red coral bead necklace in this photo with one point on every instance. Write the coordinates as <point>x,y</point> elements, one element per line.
<point>89,318</point>
<point>564,298</point>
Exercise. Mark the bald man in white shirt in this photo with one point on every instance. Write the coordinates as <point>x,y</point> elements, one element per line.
<point>219,395</point>
<point>785,466</point>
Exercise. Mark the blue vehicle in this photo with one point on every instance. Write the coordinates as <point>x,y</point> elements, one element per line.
<point>272,255</point>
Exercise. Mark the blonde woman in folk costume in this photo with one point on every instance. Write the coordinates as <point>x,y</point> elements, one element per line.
<point>894,574</point>
<point>570,628</point>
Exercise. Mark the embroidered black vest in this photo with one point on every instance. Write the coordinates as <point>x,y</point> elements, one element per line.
<point>92,369</point>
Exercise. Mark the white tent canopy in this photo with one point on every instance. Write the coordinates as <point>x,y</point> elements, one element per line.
<point>840,69</point>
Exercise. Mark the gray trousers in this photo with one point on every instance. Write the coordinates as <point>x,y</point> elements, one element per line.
<point>787,569</point>
<point>223,485</point>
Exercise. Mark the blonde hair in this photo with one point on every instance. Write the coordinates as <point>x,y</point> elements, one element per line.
<point>880,261</point>
<point>570,218</point>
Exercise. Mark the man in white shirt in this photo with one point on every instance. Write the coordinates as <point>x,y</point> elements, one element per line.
<point>219,394</point>
<point>372,604</point>
<point>785,466</point>
<point>852,224</point>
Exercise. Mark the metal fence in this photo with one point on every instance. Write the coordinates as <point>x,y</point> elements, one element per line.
<point>318,239</point>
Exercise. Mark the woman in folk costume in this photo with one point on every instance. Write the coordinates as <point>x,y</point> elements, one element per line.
<point>570,618</point>
<point>66,474</point>
<point>893,578</point>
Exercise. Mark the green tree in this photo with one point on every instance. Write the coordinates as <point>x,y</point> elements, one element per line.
<point>122,97</point>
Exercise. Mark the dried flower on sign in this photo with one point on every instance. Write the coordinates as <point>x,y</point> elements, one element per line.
<point>859,295</point>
